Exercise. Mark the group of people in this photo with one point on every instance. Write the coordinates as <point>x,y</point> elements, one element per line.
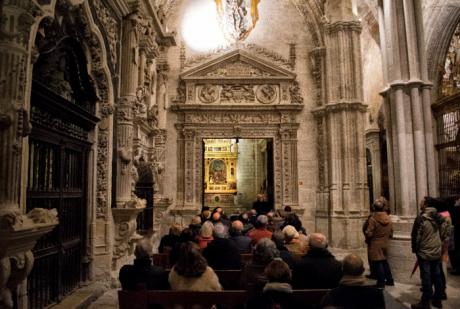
<point>434,238</point>
<point>284,258</point>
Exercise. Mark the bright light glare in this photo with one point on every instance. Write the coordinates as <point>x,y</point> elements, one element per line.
<point>200,27</point>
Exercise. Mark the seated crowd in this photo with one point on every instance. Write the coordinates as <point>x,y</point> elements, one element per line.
<point>283,258</point>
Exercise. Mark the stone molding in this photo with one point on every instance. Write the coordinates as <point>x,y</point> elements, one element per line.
<point>238,78</point>
<point>194,124</point>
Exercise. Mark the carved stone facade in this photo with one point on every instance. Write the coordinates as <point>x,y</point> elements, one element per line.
<point>237,95</point>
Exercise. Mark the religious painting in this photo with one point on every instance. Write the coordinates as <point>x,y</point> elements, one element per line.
<point>237,17</point>
<point>217,172</point>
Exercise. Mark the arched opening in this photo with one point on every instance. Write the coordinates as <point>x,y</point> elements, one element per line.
<point>447,116</point>
<point>63,105</point>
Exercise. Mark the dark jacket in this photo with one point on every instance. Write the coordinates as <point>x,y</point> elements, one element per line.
<point>168,242</point>
<point>274,295</point>
<point>221,254</point>
<point>378,230</point>
<point>354,293</point>
<point>143,275</point>
<point>428,235</point>
<point>253,278</point>
<point>317,270</point>
<point>243,243</point>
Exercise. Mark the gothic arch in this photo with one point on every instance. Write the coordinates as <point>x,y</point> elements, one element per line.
<point>440,29</point>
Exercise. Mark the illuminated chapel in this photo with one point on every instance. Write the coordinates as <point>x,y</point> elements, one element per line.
<point>120,118</point>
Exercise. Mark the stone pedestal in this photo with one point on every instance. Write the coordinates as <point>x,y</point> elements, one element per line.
<point>18,235</point>
<point>125,235</point>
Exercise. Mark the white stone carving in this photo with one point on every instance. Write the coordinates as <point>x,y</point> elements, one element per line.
<point>238,78</point>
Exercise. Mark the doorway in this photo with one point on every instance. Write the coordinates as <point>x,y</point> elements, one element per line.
<point>236,172</point>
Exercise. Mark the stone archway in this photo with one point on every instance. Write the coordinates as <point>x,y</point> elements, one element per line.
<point>237,95</point>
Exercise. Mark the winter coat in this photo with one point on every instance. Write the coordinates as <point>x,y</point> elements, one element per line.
<point>208,281</point>
<point>143,275</point>
<point>243,243</point>
<point>259,233</point>
<point>222,254</point>
<point>274,295</point>
<point>168,242</point>
<point>378,230</point>
<point>317,270</point>
<point>428,234</point>
<point>253,278</point>
<point>354,293</point>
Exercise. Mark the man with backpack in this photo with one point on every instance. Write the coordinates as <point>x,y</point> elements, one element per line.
<point>428,234</point>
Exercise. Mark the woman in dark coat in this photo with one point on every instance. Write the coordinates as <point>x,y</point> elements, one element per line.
<point>377,230</point>
<point>277,292</point>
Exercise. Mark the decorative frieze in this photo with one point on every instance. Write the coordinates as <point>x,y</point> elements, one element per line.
<point>238,78</point>
<point>111,26</point>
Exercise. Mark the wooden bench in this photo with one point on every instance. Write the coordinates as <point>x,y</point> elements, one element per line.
<point>186,299</point>
<point>229,299</point>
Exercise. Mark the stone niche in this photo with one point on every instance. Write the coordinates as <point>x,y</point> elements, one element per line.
<point>236,95</point>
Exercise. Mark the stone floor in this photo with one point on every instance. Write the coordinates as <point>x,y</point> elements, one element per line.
<point>398,297</point>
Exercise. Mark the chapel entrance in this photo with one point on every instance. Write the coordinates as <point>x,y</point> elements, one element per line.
<point>63,108</point>
<point>236,172</point>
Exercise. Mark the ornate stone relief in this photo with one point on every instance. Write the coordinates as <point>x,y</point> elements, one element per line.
<point>252,48</point>
<point>246,97</point>
<point>110,25</point>
<point>105,111</point>
<point>238,78</point>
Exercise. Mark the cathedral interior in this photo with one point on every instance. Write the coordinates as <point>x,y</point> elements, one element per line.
<point>119,118</point>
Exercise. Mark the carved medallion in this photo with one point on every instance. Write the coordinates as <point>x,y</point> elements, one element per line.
<point>237,93</point>
<point>208,94</point>
<point>266,94</point>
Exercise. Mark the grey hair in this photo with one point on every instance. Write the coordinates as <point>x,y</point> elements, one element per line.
<point>265,251</point>
<point>144,249</point>
<point>220,231</point>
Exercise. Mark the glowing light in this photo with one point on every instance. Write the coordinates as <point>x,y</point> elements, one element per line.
<point>200,27</point>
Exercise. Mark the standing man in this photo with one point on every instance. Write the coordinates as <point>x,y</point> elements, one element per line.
<point>377,230</point>
<point>428,235</point>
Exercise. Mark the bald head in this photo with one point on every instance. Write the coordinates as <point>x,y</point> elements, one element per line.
<point>317,240</point>
<point>353,265</point>
<point>237,225</point>
<point>144,249</point>
<point>216,216</point>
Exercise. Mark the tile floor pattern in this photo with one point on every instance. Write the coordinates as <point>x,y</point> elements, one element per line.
<point>398,297</point>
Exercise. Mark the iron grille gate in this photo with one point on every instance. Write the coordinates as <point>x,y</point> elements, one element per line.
<point>448,146</point>
<point>57,178</point>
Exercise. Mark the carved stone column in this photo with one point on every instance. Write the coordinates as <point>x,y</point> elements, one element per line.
<point>373,144</point>
<point>343,193</point>
<point>408,119</point>
<point>127,203</point>
<point>18,232</point>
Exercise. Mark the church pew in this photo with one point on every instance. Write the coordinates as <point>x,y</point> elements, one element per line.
<point>230,299</point>
<point>187,299</point>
